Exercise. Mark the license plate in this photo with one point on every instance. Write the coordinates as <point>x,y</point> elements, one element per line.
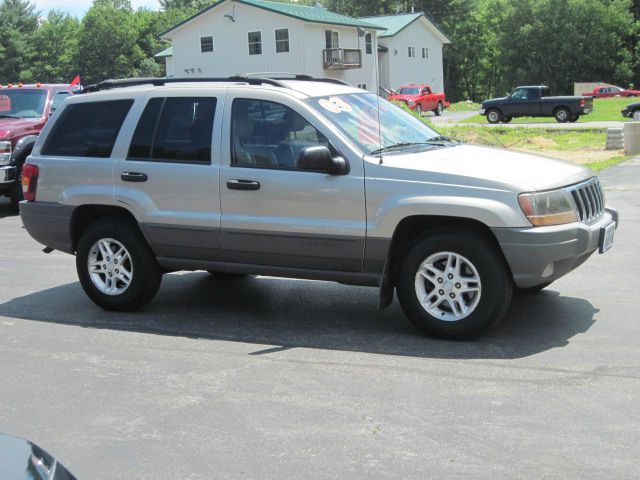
<point>606,237</point>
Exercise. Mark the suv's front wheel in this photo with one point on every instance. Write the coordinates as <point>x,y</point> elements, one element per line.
<point>116,268</point>
<point>454,284</point>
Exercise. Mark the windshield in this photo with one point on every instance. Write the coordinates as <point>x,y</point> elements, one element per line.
<point>409,91</point>
<point>356,115</point>
<point>22,103</point>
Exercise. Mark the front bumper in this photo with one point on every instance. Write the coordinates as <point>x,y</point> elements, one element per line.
<point>482,110</point>
<point>7,177</point>
<point>538,255</point>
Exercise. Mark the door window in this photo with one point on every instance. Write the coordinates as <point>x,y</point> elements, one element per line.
<point>269,134</point>
<point>175,130</point>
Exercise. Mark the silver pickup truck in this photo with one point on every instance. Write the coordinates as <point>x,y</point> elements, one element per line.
<point>304,178</point>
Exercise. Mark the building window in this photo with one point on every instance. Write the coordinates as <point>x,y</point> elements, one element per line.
<point>255,43</point>
<point>368,44</point>
<point>425,52</point>
<point>363,86</point>
<point>206,44</point>
<point>282,40</point>
<point>412,52</point>
<point>332,39</point>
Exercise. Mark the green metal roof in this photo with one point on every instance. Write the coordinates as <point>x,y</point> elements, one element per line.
<point>394,24</point>
<point>301,12</point>
<point>168,52</point>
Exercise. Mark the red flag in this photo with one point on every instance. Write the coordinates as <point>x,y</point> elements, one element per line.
<point>75,81</point>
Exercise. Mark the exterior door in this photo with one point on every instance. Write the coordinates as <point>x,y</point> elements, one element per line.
<point>274,213</point>
<point>168,176</point>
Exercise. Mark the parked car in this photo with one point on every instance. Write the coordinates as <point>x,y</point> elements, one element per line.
<point>420,98</point>
<point>611,91</point>
<point>632,111</point>
<point>299,178</point>
<point>24,110</point>
<point>534,101</point>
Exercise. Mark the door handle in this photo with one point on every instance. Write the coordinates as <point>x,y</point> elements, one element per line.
<point>243,185</point>
<point>133,177</point>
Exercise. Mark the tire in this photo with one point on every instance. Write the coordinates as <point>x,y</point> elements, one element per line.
<point>15,191</point>
<point>574,118</point>
<point>562,114</point>
<point>479,260</point>
<point>632,95</point>
<point>145,273</point>
<point>439,109</point>
<point>418,110</point>
<point>494,115</point>
<point>506,119</point>
<point>636,116</point>
<point>534,289</point>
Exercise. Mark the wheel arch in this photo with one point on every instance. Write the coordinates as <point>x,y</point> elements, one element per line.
<point>23,148</point>
<point>85,215</point>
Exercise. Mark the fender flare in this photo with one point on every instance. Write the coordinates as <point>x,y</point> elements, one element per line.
<point>23,148</point>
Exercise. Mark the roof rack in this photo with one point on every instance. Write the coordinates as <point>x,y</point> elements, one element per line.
<point>247,78</point>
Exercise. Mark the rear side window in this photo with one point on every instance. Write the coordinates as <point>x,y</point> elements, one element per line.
<point>175,130</point>
<point>87,129</point>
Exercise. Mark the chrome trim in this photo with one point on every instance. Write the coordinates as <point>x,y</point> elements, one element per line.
<point>589,199</point>
<point>7,175</point>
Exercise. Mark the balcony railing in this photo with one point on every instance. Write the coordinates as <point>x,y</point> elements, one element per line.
<point>341,58</point>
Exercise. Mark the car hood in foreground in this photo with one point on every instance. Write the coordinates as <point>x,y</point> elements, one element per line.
<point>486,167</point>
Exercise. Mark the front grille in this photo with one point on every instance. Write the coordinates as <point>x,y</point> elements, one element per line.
<point>589,199</point>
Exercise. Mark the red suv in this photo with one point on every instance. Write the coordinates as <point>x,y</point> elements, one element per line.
<point>24,111</point>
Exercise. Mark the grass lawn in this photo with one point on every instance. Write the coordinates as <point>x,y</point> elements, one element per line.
<point>604,110</point>
<point>464,107</point>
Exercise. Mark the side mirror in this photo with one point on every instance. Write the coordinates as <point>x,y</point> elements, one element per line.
<point>319,159</point>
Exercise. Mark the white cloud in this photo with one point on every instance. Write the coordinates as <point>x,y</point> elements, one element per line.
<point>79,7</point>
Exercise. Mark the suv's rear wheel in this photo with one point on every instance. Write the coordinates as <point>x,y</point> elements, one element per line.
<point>116,268</point>
<point>454,284</point>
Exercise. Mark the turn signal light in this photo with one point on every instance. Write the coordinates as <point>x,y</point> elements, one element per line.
<point>29,181</point>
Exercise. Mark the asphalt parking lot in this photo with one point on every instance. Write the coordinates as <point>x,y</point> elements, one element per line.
<point>271,378</point>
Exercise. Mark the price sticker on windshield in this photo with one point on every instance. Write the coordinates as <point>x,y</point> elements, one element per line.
<point>335,105</point>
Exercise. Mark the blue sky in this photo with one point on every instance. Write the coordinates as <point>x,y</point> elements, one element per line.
<point>79,7</point>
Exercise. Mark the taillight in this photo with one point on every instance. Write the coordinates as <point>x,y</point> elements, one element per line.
<point>583,102</point>
<point>29,181</point>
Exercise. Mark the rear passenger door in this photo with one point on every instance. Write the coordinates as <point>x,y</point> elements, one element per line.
<point>167,173</point>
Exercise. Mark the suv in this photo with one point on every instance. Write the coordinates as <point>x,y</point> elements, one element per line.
<point>302,178</point>
<point>24,110</point>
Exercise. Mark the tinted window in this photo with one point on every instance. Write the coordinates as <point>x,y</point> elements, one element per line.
<point>269,134</point>
<point>87,129</point>
<point>58,98</point>
<point>175,130</point>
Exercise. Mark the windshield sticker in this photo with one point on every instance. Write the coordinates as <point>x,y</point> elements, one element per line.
<point>342,105</point>
<point>330,106</point>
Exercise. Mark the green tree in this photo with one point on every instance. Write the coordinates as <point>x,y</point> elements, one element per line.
<point>18,22</point>
<point>56,48</point>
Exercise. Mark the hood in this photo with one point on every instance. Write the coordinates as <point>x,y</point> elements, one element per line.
<point>9,125</point>
<point>490,168</point>
<point>499,99</point>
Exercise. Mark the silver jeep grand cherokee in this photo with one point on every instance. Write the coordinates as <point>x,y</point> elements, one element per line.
<point>306,178</point>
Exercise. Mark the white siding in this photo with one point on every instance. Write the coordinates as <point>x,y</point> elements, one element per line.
<point>231,50</point>
<point>402,69</point>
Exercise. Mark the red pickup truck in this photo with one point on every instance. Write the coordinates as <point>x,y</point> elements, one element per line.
<point>420,97</point>
<point>611,91</point>
<point>24,111</point>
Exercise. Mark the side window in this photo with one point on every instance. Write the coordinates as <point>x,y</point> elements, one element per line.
<point>206,44</point>
<point>269,134</point>
<point>87,129</point>
<point>255,43</point>
<point>174,130</point>
<point>58,98</point>
<point>368,44</point>
<point>282,40</point>
<point>519,94</point>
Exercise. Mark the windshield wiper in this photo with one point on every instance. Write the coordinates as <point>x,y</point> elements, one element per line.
<point>4,115</point>
<point>440,139</point>
<point>398,145</point>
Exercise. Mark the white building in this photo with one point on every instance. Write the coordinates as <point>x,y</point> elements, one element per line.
<point>410,50</point>
<point>249,36</point>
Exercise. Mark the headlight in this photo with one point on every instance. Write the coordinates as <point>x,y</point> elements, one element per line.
<point>5,153</point>
<point>548,208</point>
<point>411,103</point>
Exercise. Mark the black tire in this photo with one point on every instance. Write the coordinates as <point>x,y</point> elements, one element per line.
<point>534,289</point>
<point>146,273</point>
<point>418,110</point>
<point>632,95</point>
<point>493,115</point>
<point>439,109</point>
<point>506,119</point>
<point>495,282</point>
<point>15,191</point>
<point>574,118</point>
<point>562,115</point>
